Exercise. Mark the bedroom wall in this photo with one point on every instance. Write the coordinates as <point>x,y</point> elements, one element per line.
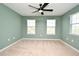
<point>41,27</point>
<point>13,27</point>
<point>10,26</point>
<point>66,36</point>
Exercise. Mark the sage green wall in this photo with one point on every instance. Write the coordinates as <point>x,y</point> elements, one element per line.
<point>14,25</point>
<point>41,27</point>
<point>10,26</point>
<point>66,29</point>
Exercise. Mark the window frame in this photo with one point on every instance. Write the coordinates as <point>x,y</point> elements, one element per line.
<point>71,24</point>
<point>34,27</point>
<point>52,27</point>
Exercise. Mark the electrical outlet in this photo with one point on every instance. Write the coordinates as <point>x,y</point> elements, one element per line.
<point>40,35</point>
<point>13,37</point>
<point>72,41</point>
<point>8,39</point>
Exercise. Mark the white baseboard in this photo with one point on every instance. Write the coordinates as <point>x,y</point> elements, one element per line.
<point>38,39</point>
<point>70,46</point>
<point>9,45</point>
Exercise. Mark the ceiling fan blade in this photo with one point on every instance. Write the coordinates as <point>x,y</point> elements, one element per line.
<point>42,13</point>
<point>44,5</point>
<point>47,9</point>
<point>32,6</point>
<point>35,11</point>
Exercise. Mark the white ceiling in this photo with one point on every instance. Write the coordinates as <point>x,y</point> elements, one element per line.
<point>24,10</point>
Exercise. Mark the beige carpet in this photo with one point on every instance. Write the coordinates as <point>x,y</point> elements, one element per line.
<point>39,48</point>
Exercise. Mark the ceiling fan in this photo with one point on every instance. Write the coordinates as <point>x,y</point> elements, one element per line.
<point>41,9</point>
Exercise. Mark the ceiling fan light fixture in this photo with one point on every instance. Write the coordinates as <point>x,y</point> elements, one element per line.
<point>40,11</point>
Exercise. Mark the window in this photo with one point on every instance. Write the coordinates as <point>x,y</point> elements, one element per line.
<point>51,27</point>
<point>30,26</point>
<point>74,21</point>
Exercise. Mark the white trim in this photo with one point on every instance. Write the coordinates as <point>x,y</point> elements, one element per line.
<point>38,39</point>
<point>77,34</point>
<point>70,46</point>
<point>9,45</point>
